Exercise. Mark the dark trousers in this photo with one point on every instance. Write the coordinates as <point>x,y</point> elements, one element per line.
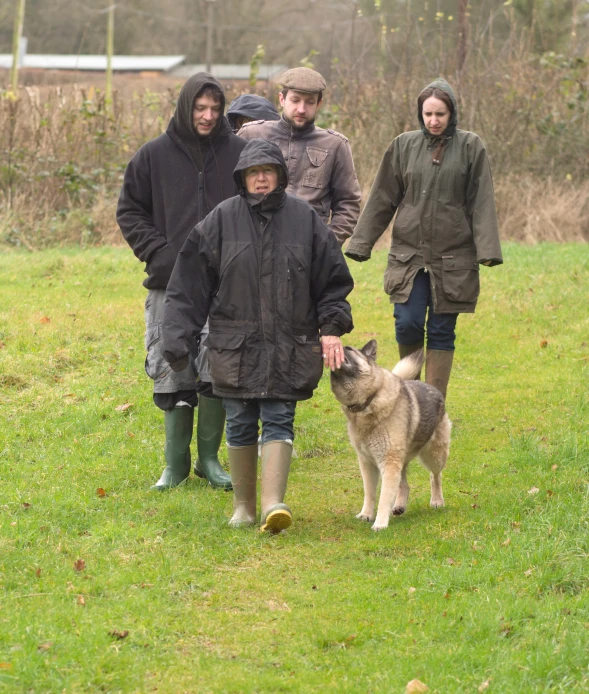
<point>416,318</point>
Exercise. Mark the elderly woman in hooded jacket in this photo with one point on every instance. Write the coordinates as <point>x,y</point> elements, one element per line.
<point>272,279</point>
<point>436,183</point>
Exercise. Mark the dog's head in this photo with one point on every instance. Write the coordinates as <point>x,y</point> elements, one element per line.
<point>358,377</point>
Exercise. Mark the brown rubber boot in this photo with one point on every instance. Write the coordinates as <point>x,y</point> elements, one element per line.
<point>438,365</point>
<point>243,465</point>
<point>276,515</point>
<point>406,350</point>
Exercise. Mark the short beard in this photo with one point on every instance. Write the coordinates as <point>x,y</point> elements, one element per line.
<point>294,125</point>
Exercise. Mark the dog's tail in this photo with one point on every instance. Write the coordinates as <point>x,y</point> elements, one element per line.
<point>409,367</point>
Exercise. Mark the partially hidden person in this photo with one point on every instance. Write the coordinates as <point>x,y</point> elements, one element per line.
<point>246,108</point>
<point>436,183</point>
<point>170,185</point>
<point>320,165</point>
<point>273,282</point>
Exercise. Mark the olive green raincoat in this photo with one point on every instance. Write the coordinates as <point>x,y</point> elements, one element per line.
<point>445,217</point>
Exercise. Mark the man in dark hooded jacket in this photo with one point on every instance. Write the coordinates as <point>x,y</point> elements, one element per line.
<point>249,107</point>
<point>170,185</point>
<point>273,281</point>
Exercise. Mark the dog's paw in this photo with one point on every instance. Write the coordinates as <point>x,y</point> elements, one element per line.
<point>399,510</point>
<point>380,526</point>
<point>365,517</point>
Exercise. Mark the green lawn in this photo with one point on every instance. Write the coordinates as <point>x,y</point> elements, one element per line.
<point>489,594</point>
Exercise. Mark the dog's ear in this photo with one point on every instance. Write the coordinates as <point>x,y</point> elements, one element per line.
<point>369,350</point>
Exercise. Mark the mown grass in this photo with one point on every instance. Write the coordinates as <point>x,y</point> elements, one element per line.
<point>490,594</point>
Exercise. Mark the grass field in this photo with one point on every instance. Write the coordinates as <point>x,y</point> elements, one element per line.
<point>108,587</point>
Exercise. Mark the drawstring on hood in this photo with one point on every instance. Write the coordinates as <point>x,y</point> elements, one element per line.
<point>438,142</point>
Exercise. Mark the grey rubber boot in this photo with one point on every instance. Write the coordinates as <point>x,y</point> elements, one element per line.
<point>438,365</point>
<point>276,457</point>
<point>243,464</point>
<point>406,350</point>
<point>178,424</point>
<point>209,432</point>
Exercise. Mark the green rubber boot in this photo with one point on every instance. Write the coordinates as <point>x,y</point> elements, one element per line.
<point>178,425</point>
<point>209,432</point>
<point>406,350</point>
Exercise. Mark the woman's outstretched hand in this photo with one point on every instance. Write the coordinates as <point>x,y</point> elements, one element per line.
<point>333,352</point>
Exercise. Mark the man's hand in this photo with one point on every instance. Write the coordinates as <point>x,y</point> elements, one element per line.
<point>333,352</point>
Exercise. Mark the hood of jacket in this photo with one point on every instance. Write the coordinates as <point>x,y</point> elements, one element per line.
<point>252,106</point>
<point>256,153</point>
<point>441,84</point>
<point>182,118</point>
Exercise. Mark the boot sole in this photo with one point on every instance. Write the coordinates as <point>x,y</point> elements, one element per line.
<point>277,521</point>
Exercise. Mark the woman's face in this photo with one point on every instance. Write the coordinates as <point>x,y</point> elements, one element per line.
<point>436,115</point>
<point>261,179</point>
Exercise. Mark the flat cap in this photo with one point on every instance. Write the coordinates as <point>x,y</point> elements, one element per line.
<point>303,79</point>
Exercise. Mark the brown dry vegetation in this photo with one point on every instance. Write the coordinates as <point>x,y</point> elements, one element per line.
<point>64,150</point>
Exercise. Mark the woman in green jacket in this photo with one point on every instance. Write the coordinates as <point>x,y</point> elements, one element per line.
<point>436,183</point>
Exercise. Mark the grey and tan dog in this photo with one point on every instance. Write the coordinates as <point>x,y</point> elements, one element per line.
<point>391,420</point>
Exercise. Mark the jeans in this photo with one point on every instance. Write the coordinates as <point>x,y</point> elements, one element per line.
<point>410,319</point>
<point>277,417</point>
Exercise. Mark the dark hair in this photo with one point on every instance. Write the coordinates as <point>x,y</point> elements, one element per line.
<point>437,94</point>
<point>214,92</point>
<point>286,90</point>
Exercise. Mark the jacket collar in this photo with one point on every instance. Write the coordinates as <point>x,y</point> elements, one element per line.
<point>294,133</point>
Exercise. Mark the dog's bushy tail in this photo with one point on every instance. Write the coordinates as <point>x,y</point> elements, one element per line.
<point>409,367</point>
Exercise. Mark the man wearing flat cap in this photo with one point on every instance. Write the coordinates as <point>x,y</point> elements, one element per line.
<point>320,165</point>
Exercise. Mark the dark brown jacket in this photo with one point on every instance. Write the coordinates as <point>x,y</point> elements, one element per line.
<point>271,278</point>
<point>444,216</point>
<point>320,170</point>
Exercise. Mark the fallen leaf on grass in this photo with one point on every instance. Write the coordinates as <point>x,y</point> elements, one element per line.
<point>44,319</point>
<point>506,543</point>
<point>38,572</point>
<point>79,565</point>
<point>412,590</point>
<point>119,635</point>
<point>554,467</point>
<point>533,490</point>
<point>529,572</point>
<point>475,506</point>
<point>2,345</point>
<point>124,407</point>
<point>416,686</point>
<point>44,646</point>
<point>451,561</point>
<point>100,492</point>
<point>81,601</point>
<point>5,666</point>
<point>26,505</point>
<point>484,685</point>
<point>549,492</point>
<point>130,434</point>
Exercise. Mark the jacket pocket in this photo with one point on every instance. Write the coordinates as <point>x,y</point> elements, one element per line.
<point>155,365</point>
<point>460,278</point>
<point>398,272</point>
<point>225,355</point>
<point>315,174</point>
<point>307,363</point>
